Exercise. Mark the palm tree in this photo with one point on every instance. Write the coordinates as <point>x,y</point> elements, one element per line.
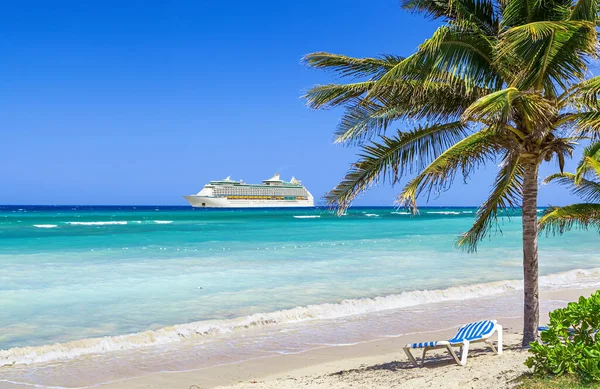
<point>498,80</point>
<point>583,215</point>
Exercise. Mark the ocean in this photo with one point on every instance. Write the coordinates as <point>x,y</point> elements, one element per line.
<point>153,281</point>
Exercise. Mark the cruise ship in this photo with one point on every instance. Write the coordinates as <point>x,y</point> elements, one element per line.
<point>272,193</point>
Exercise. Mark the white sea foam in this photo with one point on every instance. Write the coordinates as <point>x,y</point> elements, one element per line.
<point>371,214</point>
<point>177,333</point>
<point>45,225</point>
<point>109,223</point>
<point>445,212</point>
<point>307,216</point>
<point>402,213</point>
<point>163,221</point>
<point>467,211</point>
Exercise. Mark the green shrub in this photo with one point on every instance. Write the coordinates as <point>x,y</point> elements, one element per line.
<point>569,345</point>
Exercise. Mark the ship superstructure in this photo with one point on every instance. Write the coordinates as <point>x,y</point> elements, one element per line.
<point>272,193</point>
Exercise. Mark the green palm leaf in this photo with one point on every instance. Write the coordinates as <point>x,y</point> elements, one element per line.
<point>587,190</point>
<point>414,100</point>
<point>458,50</point>
<point>466,156</point>
<point>519,12</point>
<point>352,67</point>
<point>585,10</point>
<point>590,163</point>
<point>331,95</point>
<point>462,50</point>
<point>496,106</point>
<point>561,219</point>
<point>482,12</point>
<point>506,194</point>
<point>394,157</point>
<point>549,52</point>
<point>583,94</point>
<point>584,124</point>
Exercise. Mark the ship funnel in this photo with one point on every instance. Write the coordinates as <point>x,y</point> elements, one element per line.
<point>276,177</point>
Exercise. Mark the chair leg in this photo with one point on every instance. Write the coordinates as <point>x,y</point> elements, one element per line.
<point>410,356</point>
<point>453,354</point>
<point>423,357</point>
<point>499,330</point>
<point>491,344</point>
<point>465,353</point>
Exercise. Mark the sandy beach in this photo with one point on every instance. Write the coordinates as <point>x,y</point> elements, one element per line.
<point>375,364</point>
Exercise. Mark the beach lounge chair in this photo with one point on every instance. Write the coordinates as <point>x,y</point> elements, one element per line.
<point>480,331</point>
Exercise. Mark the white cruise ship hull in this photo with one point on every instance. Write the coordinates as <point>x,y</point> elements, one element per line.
<point>222,202</point>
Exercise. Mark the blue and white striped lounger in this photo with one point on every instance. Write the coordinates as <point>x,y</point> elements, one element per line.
<point>480,331</point>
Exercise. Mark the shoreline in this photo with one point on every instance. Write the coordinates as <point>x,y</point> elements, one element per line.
<point>323,359</point>
<point>379,363</point>
<point>205,329</point>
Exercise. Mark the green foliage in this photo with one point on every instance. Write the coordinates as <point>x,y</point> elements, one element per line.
<point>569,345</point>
<point>499,80</point>
<point>585,183</point>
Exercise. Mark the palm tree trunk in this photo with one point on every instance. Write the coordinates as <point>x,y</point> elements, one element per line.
<point>531,313</point>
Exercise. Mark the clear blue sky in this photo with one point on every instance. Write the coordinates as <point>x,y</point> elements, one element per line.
<point>141,102</point>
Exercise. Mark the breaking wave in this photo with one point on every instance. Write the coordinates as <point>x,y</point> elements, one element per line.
<point>109,223</point>
<point>197,330</point>
<point>163,221</point>
<point>444,212</point>
<point>307,216</point>
<point>45,225</point>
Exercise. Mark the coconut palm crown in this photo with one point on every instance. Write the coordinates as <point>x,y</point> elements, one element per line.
<point>585,183</point>
<point>500,81</point>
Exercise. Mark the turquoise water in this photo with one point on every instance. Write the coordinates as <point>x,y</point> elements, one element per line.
<point>71,273</point>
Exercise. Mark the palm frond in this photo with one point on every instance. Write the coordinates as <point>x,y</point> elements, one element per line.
<point>482,12</point>
<point>552,53</point>
<point>352,67</point>
<point>462,50</point>
<point>557,220</point>
<point>587,190</point>
<point>585,10</point>
<point>455,53</point>
<point>583,94</point>
<point>331,95</point>
<point>393,157</point>
<point>414,100</point>
<point>519,12</point>
<point>506,194</point>
<point>584,124</point>
<point>493,107</point>
<point>365,120</point>
<point>590,163</point>
<point>466,156</point>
